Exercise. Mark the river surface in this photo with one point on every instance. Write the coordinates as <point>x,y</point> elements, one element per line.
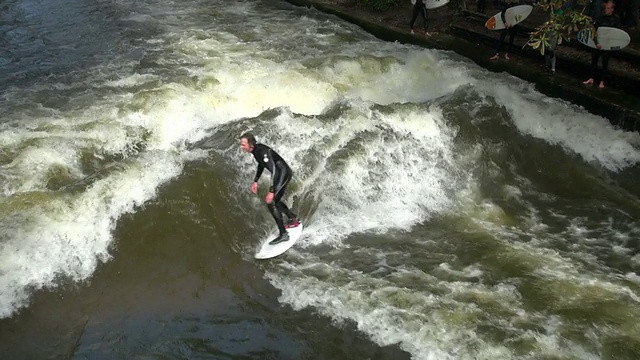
<point>450,212</point>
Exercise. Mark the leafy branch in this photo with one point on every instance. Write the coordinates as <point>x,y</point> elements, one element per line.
<point>563,23</point>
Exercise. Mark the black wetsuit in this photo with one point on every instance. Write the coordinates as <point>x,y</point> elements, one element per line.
<point>420,9</point>
<point>281,174</point>
<point>608,21</point>
<point>504,5</point>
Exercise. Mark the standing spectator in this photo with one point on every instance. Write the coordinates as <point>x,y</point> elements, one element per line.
<point>595,9</point>
<point>610,20</point>
<point>508,30</point>
<point>420,8</point>
<point>550,51</point>
<point>630,14</point>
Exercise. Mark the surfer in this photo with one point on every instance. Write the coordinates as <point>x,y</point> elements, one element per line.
<point>609,20</point>
<point>281,174</point>
<point>508,30</point>
<point>420,8</point>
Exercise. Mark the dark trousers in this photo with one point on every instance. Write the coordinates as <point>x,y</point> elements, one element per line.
<point>277,206</point>
<point>630,13</point>
<point>422,11</point>
<point>511,32</point>
<point>595,56</point>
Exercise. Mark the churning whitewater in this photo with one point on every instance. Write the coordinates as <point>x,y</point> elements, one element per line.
<point>456,212</point>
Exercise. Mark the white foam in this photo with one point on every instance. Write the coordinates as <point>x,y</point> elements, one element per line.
<point>434,325</point>
<point>255,91</point>
<point>411,77</point>
<point>471,271</point>
<point>374,189</point>
<point>585,286</point>
<point>633,277</point>
<point>29,171</point>
<point>367,302</point>
<point>73,234</point>
<point>133,80</point>
<point>558,122</point>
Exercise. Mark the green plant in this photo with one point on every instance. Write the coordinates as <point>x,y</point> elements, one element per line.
<point>564,21</point>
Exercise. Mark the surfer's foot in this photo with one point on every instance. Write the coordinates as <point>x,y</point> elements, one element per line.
<point>590,81</point>
<point>495,57</point>
<point>292,223</point>
<point>601,86</point>
<point>413,32</point>
<point>506,56</point>
<point>281,238</point>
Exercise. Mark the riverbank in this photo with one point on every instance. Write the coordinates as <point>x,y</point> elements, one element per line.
<point>460,33</point>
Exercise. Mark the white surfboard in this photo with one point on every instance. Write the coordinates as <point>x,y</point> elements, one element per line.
<point>267,251</point>
<point>514,15</point>
<point>609,38</point>
<point>432,4</point>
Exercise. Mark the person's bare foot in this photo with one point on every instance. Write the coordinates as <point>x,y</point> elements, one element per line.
<point>506,56</point>
<point>588,82</point>
<point>413,32</point>
<point>495,57</point>
<point>601,86</point>
<point>427,34</point>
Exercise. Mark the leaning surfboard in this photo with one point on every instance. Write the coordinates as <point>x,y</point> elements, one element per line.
<point>609,38</point>
<point>514,15</point>
<point>268,251</point>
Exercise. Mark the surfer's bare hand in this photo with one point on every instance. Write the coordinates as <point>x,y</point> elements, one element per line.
<point>269,198</point>
<point>254,188</point>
